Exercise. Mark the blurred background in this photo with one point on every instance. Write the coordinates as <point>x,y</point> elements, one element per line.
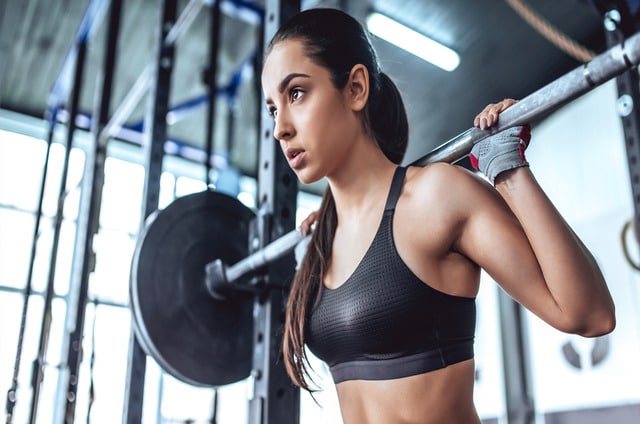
<point>501,49</point>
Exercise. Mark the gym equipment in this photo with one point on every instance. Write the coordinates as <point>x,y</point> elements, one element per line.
<point>193,312</point>
<point>194,337</point>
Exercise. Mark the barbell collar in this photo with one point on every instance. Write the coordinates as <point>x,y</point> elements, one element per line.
<point>216,280</point>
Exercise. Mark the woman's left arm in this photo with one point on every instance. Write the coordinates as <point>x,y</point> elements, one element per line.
<point>571,275</point>
<point>568,267</point>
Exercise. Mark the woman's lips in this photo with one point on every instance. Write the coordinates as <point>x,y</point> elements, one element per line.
<point>295,156</point>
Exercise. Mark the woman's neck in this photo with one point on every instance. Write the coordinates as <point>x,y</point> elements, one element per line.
<point>361,183</point>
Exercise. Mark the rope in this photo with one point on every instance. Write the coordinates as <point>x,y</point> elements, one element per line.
<point>550,32</point>
<point>630,224</point>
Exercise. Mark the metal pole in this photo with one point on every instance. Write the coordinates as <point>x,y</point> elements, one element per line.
<point>211,76</point>
<point>143,83</point>
<point>61,88</point>
<point>90,217</point>
<point>273,400</point>
<point>518,384</point>
<point>155,134</point>
<point>618,24</point>
<point>12,392</point>
<point>602,68</point>
<point>38,364</point>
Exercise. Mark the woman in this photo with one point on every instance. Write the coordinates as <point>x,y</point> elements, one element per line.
<point>385,294</point>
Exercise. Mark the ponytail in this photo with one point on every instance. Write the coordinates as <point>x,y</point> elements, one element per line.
<point>387,117</point>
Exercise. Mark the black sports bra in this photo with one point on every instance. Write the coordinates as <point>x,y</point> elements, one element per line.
<point>384,322</point>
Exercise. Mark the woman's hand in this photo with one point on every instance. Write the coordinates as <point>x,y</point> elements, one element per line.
<point>307,223</point>
<point>502,151</point>
<point>305,229</point>
<point>489,115</point>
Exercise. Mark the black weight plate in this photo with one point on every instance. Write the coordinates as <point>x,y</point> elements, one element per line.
<point>194,337</point>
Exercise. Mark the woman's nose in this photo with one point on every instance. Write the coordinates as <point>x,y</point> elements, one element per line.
<point>283,130</point>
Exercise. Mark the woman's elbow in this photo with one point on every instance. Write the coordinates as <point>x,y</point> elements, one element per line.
<point>597,314</point>
<point>604,326</point>
<point>597,324</point>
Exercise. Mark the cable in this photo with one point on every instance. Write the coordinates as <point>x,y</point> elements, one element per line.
<point>550,32</point>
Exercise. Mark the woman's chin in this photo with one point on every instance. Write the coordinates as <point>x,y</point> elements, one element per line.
<point>306,177</point>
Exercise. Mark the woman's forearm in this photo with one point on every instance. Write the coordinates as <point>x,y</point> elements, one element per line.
<point>569,269</point>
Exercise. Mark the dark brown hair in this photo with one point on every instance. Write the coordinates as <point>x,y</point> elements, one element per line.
<point>338,42</point>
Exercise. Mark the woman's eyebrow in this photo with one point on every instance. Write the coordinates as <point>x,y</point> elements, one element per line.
<point>285,81</point>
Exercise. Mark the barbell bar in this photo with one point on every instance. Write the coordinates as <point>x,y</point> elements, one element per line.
<point>221,280</point>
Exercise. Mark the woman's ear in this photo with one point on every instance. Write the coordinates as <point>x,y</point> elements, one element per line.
<point>357,88</point>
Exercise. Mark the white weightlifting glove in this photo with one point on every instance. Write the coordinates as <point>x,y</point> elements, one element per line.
<point>501,152</point>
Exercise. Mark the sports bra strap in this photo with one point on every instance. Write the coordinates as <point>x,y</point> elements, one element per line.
<point>396,188</point>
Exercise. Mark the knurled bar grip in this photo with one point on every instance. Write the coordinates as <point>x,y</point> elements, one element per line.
<point>568,87</point>
<point>559,92</point>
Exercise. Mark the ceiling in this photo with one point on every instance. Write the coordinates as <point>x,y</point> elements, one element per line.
<point>501,56</point>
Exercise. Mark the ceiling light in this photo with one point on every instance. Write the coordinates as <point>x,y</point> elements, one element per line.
<point>412,41</point>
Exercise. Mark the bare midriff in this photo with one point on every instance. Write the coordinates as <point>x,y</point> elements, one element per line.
<point>443,396</point>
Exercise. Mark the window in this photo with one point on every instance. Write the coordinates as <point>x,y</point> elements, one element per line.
<point>107,317</point>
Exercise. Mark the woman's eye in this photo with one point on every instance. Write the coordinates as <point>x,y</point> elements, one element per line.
<point>273,113</point>
<point>295,94</point>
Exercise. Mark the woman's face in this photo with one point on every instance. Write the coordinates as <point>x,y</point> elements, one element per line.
<point>312,118</point>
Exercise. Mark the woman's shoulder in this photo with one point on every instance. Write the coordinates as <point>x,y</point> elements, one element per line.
<point>443,187</point>
<point>440,176</point>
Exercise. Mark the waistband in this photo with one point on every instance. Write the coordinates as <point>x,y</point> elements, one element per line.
<point>404,366</point>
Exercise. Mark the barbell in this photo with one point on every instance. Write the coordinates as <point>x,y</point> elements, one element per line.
<point>193,313</point>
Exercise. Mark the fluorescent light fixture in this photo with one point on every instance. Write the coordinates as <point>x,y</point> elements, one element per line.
<point>412,41</point>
